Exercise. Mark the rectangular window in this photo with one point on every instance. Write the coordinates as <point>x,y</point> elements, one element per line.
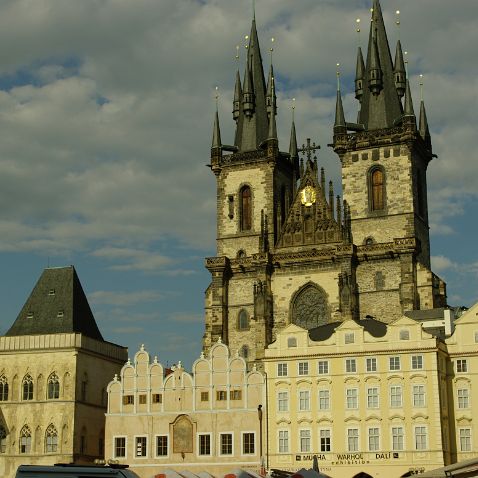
<point>352,439</point>
<point>162,445</point>
<point>303,368</point>
<point>417,362</point>
<point>371,364</point>
<point>221,395</point>
<point>304,400</point>
<point>323,367</point>
<point>396,396</point>
<point>352,398</point>
<point>461,366</point>
<point>205,444</point>
<point>465,439</point>
<point>283,441</point>
<point>141,446</point>
<point>51,443</point>
<point>373,439</point>
<point>120,447</point>
<point>419,395</point>
<point>204,396</point>
<point>397,438</point>
<point>325,441</point>
<point>324,399</point>
<point>226,443</point>
<point>463,398</point>
<point>304,441</point>
<point>248,440</point>
<point>235,394</point>
<point>349,338</point>
<point>142,399</point>
<point>394,363</point>
<point>128,400</point>
<point>351,365</point>
<point>420,438</point>
<point>157,398</point>
<point>283,401</point>
<point>282,370</point>
<point>372,397</point>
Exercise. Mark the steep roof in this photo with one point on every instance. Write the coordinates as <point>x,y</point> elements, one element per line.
<point>56,305</point>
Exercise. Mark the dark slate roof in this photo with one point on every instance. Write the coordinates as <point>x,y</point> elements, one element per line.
<point>372,326</point>
<point>426,314</point>
<point>56,305</point>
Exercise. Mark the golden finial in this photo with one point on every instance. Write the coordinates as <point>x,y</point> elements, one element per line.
<point>358,30</point>
<point>371,13</point>
<point>271,49</point>
<point>293,109</point>
<point>397,22</point>
<point>216,96</point>
<point>406,62</point>
<point>421,87</point>
<point>237,52</point>
<point>246,38</point>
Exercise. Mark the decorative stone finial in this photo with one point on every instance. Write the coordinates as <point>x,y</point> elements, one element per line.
<point>115,377</point>
<point>202,355</point>
<point>219,340</point>
<point>180,365</point>
<point>129,361</point>
<point>142,348</point>
<point>155,359</point>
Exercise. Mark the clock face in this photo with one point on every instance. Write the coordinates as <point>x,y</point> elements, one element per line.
<point>308,196</point>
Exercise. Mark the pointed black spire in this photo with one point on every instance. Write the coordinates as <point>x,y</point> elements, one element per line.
<point>248,93</point>
<point>380,106</point>
<point>359,75</point>
<point>408,103</point>
<point>270,97</point>
<point>423,124</point>
<point>272,136</point>
<point>216,134</point>
<point>400,71</point>
<point>236,109</point>
<point>340,125</point>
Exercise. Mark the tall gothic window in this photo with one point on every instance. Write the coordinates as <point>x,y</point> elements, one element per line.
<point>27,388</point>
<point>3,439</point>
<point>3,389</point>
<point>309,307</point>
<point>51,439</point>
<point>53,386</point>
<point>246,208</point>
<point>243,320</point>
<point>25,440</point>
<point>377,189</point>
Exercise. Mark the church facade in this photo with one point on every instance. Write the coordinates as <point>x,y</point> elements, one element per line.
<point>288,249</point>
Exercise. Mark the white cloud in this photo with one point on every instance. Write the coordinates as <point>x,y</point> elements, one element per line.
<point>441,264</point>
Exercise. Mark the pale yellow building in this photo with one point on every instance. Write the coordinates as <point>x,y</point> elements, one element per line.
<point>54,369</point>
<point>209,420</point>
<point>363,396</point>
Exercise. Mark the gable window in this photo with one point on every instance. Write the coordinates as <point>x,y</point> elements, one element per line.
<point>377,189</point>
<point>404,334</point>
<point>291,342</point>
<point>349,337</point>
<point>53,387</point>
<point>245,208</point>
<point>243,320</point>
<point>27,388</point>
<point>3,389</point>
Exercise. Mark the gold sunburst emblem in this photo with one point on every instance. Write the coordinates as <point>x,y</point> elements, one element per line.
<point>308,196</point>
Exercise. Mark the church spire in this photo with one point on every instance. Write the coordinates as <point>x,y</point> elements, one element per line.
<point>236,109</point>
<point>399,71</point>
<point>408,110</point>
<point>380,102</point>
<point>359,75</point>
<point>216,133</point>
<point>340,125</point>
<point>272,136</point>
<point>270,91</point>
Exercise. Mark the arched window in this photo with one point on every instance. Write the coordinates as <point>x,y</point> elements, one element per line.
<point>3,439</point>
<point>377,189</point>
<point>51,439</point>
<point>27,388</point>
<point>25,440</point>
<point>243,320</point>
<point>53,386</point>
<point>246,208</point>
<point>244,352</point>
<point>3,389</point>
<point>309,307</point>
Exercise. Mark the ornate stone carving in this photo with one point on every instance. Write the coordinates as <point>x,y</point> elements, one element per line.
<point>310,308</point>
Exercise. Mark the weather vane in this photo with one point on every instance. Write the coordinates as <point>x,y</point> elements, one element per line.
<point>309,149</point>
<point>237,53</point>
<point>358,30</point>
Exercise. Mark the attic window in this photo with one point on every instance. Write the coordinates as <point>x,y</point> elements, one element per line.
<point>349,337</point>
<point>30,315</point>
<point>51,292</point>
<point>60,314</point>
<point>404,334</point>
<point>291,342</point>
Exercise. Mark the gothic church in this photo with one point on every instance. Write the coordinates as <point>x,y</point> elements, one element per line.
<point>288,249</point>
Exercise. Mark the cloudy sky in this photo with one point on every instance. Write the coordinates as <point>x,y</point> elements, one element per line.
<point>106,109</point>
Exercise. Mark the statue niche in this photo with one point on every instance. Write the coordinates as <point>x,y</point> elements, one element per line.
<point>309,307</point>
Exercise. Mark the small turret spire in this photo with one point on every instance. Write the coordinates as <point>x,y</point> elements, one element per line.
<point>293,150</point>
<point>236,110</point>
<point>408,106</point>
<point>359,75</point>
<point>272,120</point>
<point>216,134</point>
<point>340,125</point>
<point>375,74</point>
<point>248,93</point>
<point>270,92</point>
<point>399,71</point>
<point>423,122</point>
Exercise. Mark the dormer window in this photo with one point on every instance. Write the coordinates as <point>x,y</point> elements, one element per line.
<point>60,314</point>
<point>291,342</point>
<point>30,315</point>
<point>404,334</point>
<point>51,292</point>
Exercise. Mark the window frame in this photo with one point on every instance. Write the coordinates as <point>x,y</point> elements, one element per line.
<point>461,366</point>
<point>348,365</point>
<point>465,439</point>
<point>370,361</point>
<point>303,368</point>
<point>284,439</point>
<point>400,438</point>
<point>394,363</point>
<point>463,400</point>
<point>309,438</point>
<point>422,394</point>
<point>204,434</point>
<point>243,444</point>
<point>282,400</point>
<point>377,191</point>
<point>373,400</point>
<point>223,434</point>
<point>323,367</point>
<point>376,437</point>
<point>393,396</point>
<point>115,448</point>
<point>304,400</point>
<point>325,399</point>
<point>416,362</point>
<point>419,445</point>
<point>356,439</point>
<point>282,369</point>
<point>245,208</point>
<point>351,398</point>
<point>140,437</point>
<point>325,441</point>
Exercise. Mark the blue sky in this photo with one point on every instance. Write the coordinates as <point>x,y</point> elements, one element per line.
<point>106,110</point>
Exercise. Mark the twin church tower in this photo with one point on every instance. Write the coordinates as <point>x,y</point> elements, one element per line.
<point>288,249</point>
